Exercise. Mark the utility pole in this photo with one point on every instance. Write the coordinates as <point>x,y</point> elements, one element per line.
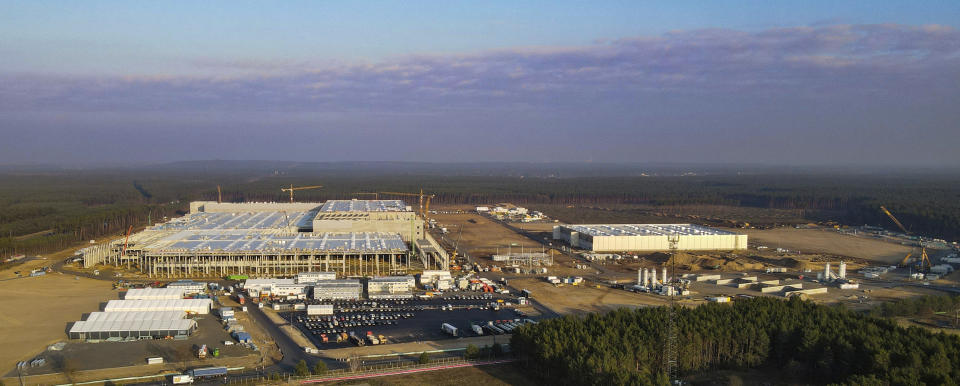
<point>670,347</point>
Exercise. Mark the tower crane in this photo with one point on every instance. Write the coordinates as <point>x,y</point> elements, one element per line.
<point>291,189</point>
<point>924,263</point>
<point>424,201</point>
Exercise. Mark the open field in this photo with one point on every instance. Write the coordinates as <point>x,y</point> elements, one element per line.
<point>582,299</point>
<point>493,375</point>
<point>36,310</point>
<point>830,242</point>
<point>481,236</point>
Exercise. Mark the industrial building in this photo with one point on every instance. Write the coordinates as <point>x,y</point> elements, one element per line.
<point>347,237</point>
<point>390,287</point>
<point>648,237</point>
<point>170,293</point>
<point>347,289</point>
<point>133,325</point>
<point>524,259</point>
<point>310,277</point>
<point>193,306</point>
<point>380,216</point>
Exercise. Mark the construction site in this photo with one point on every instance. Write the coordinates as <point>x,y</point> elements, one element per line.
<point>351,237</point>
<point>328,281</point>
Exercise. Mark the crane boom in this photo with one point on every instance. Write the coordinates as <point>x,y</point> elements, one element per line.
<point>292,189</point>
<point>895,221</point>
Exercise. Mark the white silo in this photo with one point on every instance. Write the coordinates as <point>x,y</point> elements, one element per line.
<point>664,276</point>
<point>643,277</point>
<point>842,270</point>
<point>639,276</point>
<point>826,272</point>
<point>653,277</point>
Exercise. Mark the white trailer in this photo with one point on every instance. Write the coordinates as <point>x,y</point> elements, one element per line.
<point>449,329</point>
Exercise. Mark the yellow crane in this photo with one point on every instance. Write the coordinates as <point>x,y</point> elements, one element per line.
<point>292,189</point>
<point>924,259</point>
<point>424,200</point>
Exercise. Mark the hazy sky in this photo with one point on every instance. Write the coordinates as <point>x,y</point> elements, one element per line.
<point>812,82</point>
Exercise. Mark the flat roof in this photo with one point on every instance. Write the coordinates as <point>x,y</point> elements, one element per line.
<point>134,315</point>
<point>646,230</point>
<point>363,206</point>
<point>133,325</point>
<point>242,220</point>
<point>255,241</point>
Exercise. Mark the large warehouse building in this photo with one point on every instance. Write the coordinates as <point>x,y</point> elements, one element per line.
<point>648,237</point>
<point>349,237</point>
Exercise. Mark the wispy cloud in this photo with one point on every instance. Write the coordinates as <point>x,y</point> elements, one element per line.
<point>813,62</point>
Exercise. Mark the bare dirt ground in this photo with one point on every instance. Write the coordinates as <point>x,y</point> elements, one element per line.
<point>35,311</point>
<point>494,375</point>
<point>831,242</point>
<point>481,236</point>
<point>581,299</point>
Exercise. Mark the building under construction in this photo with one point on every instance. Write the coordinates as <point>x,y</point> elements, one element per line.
<point>270,239</point>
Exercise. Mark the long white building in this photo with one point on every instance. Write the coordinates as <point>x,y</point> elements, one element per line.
<point>648,237</point>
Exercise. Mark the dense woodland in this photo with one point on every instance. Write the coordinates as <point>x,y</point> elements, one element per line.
<point>799,339</point>
<point>44,210</point>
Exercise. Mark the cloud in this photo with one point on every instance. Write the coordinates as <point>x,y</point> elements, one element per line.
<point>823,61</point>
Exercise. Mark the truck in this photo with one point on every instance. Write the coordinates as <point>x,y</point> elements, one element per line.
<point>526,293</point>
<point>372,339</point>
<point>208,372</point>
<point>202,352</point>
<point>356,339</point>
<point>180,379</point>
<point>449,329</point>
<point>240,298</point>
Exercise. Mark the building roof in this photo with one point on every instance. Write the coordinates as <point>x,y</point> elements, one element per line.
<point>133,325</point>
<point>243,220</point>
<point>392,279</point>
<point>646,230</point>
<point>193,305</point>
<point>363,206</point>
<point>255,241</point>
<point>155,293</point>
<point>122,316</point>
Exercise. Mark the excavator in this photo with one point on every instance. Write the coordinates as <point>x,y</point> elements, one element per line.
<point>924,264</point>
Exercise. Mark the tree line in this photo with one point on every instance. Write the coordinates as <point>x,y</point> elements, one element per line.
<point>800,339</point>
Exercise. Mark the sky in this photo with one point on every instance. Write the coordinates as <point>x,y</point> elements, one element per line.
<point>760,82</point>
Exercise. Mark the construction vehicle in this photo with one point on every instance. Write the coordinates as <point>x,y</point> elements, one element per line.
<point>202,352</point>
<point>292,189</point>
<point>924,264</point>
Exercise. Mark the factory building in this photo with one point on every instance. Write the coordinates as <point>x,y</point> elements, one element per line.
<point>348,289</point>
<point>380,216</point>
<point>269,239</point>
<point>648,237</point>
<point>133,325</point>
<point>193,306</point>
<point>310,277</point>
<point>171,293</point>
<point>390,287</point>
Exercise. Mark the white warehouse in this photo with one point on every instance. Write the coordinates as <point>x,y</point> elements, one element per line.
<point>648,237</point>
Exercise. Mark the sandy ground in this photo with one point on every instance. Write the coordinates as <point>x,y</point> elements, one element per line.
<point>35,311</point>
<point>831,242</point>
<point>481,236</point>
<point>580,299</point>
<point>496,375</point>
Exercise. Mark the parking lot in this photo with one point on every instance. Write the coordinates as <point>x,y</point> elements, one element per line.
<point>408,320</point>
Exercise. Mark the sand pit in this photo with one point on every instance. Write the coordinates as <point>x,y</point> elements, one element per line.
<point>829,242</point>
<point>36,310</point>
